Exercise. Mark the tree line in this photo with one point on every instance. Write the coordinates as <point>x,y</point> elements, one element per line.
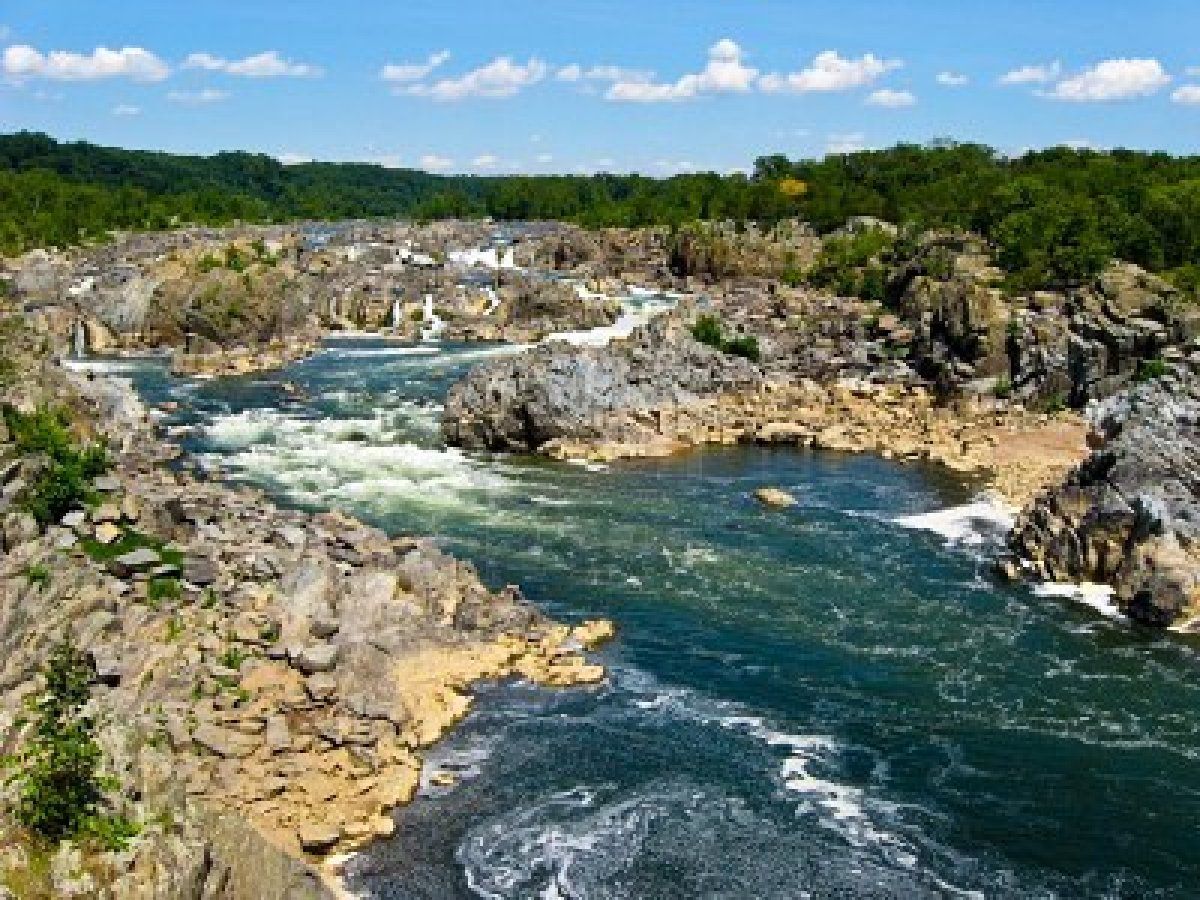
<point>1056,216</point>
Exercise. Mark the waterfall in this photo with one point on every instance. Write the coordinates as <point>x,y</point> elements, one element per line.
<point>80,339</point>
<point>433,324</point>
<point>396,312</point>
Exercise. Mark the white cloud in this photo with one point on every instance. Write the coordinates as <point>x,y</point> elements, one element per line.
<point>405,73</point>
<point>197,98</point>
<point>293,159</point>
<point>126,109</point>
<point>498,79</point>
<point>947,78</point>
<point>846,143</point>
<point>268,64</point>
<point>545,158</point>
<point>573,72</point>
<point>724,73</point>
<point>434,163</point>
<point>485,161</point>
<point>1039,74</point>
<point>1112,79</point>
<point>891,99</point>
<point>830,71</point>
<point>21,61</point>
<point>1187,93</point>
<point>675,166</point>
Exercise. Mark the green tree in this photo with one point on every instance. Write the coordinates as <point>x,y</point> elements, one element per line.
<point>59,788</point>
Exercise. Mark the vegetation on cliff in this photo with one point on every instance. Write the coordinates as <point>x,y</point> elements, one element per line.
<point>59,788</point>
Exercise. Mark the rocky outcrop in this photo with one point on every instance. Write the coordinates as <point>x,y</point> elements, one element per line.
<point>265,679</point>
<point>1129,515</point>
<point>557,391</point>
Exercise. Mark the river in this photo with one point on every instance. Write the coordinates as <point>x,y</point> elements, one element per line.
<point>818,701</point>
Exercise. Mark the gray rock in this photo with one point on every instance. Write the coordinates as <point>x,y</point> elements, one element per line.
<point>316,658</point>
<point>141,558</point>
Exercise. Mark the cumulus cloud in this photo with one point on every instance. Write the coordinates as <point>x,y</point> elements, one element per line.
<point>891,99</point>
<point>947,78</point>
<point>406,73</point>
<point>724,73</point>
<point>268,64</point>
<point>485,161</point>
<point>498,79</point>
<point>1112,79</point>
<point>434,163</point>
<point>545,158</point>
<point>293,159</point>
<point>126,109</point>
<point>21,62</point>
<point>828,72</point>
<point>1037,74</point>
<point>197,98</point>
<point>1188,94</point>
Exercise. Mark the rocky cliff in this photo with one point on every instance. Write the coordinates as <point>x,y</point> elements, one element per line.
<point>559,391</point>
<point>1129,515</point>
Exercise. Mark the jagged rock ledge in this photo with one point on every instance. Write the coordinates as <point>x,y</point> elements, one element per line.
<point>661,392</point>
<point>1129,515</point>
<point>266,678</point>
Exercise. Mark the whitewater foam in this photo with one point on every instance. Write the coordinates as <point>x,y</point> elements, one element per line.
<point>1097,596</point>
<point>982,521</point>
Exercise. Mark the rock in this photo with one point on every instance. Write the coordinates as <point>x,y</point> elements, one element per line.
<point>318,837</point>
<point>770,496</point>
<point>106,512</point>
<point>141,558</point>
<point>17,528</point>
<point>107,532</point>
<point>277,735</point>
<point>1129,515</point>
<point>106,484</point>
<point>73,519</point>
<point>224,742</point>
<point>200,571</point>
<point>316,658</point>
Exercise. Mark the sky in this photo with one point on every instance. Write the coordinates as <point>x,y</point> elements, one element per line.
<point>653,86</point>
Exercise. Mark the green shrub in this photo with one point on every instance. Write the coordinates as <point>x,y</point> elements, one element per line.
<point>1002,389</point>
<point>66,482</point>
<point>38,574</point>
<point>1149,369</point>
<point>745,346</point>
<point>160,589</point>
<point>59,788</point>
<point>707,330</point>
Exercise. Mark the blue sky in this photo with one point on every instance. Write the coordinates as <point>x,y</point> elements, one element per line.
<point>655,86</point>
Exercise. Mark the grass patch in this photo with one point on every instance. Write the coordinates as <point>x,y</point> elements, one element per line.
<point>130,540</point>
<point>707,330</point>
<point>38,574</point>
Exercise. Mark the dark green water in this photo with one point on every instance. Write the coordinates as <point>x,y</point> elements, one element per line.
<point>814,702</point>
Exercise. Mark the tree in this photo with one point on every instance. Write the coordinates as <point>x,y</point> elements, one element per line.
<point>60,791</point>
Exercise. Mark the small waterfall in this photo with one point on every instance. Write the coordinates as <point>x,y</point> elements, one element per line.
<point>493,300</point>
<point>433,324</point>
<point>80,340</point>
<point>396,312</point>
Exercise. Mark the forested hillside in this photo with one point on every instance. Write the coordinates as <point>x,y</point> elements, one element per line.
<point>1055,216</point>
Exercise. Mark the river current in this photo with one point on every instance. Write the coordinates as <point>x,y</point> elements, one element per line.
<point>820,701</point>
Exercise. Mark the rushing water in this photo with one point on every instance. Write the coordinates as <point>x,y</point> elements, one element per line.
<point>809,702</point>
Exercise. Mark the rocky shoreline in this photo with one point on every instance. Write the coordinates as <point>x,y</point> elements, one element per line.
<point>1127,515</point>
<point>260,672</point>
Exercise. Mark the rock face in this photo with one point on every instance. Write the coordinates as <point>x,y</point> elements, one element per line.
<point>1129,515</point>
<point>559,391</point>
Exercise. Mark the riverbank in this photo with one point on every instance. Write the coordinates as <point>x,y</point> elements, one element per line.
<point>288,669</point>
<point>1015,452</point>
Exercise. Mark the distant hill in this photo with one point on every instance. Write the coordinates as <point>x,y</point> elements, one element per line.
<point>1053,215</point>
